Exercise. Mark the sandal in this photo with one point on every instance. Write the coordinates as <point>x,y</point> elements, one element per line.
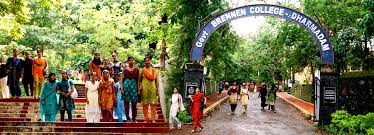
<point>201,129</point>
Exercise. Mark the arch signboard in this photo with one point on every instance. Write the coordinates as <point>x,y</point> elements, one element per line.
<point>326,49</point>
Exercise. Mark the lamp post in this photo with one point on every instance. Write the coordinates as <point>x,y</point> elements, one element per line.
<point>214,13</point>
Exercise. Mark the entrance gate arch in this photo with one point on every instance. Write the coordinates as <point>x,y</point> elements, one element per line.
<point>326,49</point>
<point>329,88</point>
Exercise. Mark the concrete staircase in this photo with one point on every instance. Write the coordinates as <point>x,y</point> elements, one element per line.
<point>21,116</point>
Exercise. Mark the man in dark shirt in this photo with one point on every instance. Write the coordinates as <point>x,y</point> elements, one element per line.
<point>14,74</point>
<point>28,79</point>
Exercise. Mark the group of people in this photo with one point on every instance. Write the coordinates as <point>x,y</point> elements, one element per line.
<point>241,92</point>
<point>30,71</point>
<point>268,97</point>
<point>236,93</point>
<point>112,86</point>
<point>120,86</point>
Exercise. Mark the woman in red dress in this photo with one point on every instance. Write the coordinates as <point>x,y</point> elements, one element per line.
<point>197,112</point>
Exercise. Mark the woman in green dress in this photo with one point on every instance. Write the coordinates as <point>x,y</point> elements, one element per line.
<point>271,98</point>
<point>48,99</point>
<point>148,88</point>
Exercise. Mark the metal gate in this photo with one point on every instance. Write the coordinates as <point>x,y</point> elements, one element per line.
<point>317,91</point>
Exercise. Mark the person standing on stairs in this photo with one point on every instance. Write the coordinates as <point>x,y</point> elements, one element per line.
<point>40,69</point>
<point>3,79</point>
<point>92,106</point>
<point>107,97</point>
<point>119,110</point>
<point>148,89</point>
<point>14,67</point>
<point>129,88</point>
<point>48,99</point>
<point>106,66</point>
<point>95,65</point>
<point>116,65</point>
<point>27,72</point>
<point>65,87</point>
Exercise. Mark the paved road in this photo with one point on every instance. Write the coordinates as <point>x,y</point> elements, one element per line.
<point>287,121</point>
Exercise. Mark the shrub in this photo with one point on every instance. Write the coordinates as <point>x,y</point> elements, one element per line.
<point>370,131</point>
<point>345,123</point>
<point>184,117</point>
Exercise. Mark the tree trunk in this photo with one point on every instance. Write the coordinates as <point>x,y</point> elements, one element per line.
<point>163,54</point>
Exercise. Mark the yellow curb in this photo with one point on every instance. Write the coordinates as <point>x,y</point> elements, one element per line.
<point>214,106</point>
<point>298,107</point>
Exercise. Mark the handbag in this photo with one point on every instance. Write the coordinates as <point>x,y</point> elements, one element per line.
<point>233,99</point>
<point>182,106</point>
<point>74,94</point>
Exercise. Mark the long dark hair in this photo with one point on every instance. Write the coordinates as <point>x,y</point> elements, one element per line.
<point>130,57</point>
<point>96,61</point>
<point>147,57</point>
<point>49,77</point>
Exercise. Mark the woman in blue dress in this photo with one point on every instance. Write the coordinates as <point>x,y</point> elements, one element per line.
<point>48,99</point>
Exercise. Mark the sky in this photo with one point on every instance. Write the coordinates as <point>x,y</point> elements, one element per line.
<point>249,25</point>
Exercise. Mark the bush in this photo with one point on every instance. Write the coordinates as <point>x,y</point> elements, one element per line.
<point>184,117</point>
<point>303,92</point>
<point>370,131</point>
<point>345,123</point>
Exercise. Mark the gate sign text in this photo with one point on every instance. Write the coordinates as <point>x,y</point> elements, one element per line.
<point>326,49</point>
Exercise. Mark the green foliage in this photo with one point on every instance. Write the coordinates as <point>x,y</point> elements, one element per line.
<point>71,31</point>
<point>303,92</point>
<point>366,21</point>
<point>358,74</point>
<point>370,131</point>
<point>184,117</point>
<point>345,123</point>
<point>184,16</point>
<point>13,14</point>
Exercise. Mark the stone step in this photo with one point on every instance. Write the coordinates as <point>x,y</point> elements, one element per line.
<point>77,106</point>
<point>74,119</point>
<point>34,111</point>
<point>84,129</point>
<point>19,108</point>
<point>18,104</point>
<point>66,133</point>
<point>75,116</point>
<point>37,116</point>
<point>23,100</point>
<point>85,124</point>
<point>79,110</point>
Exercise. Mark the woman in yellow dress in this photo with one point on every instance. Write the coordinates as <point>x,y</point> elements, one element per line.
<point>148,89</point>
<point>40,69</point>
